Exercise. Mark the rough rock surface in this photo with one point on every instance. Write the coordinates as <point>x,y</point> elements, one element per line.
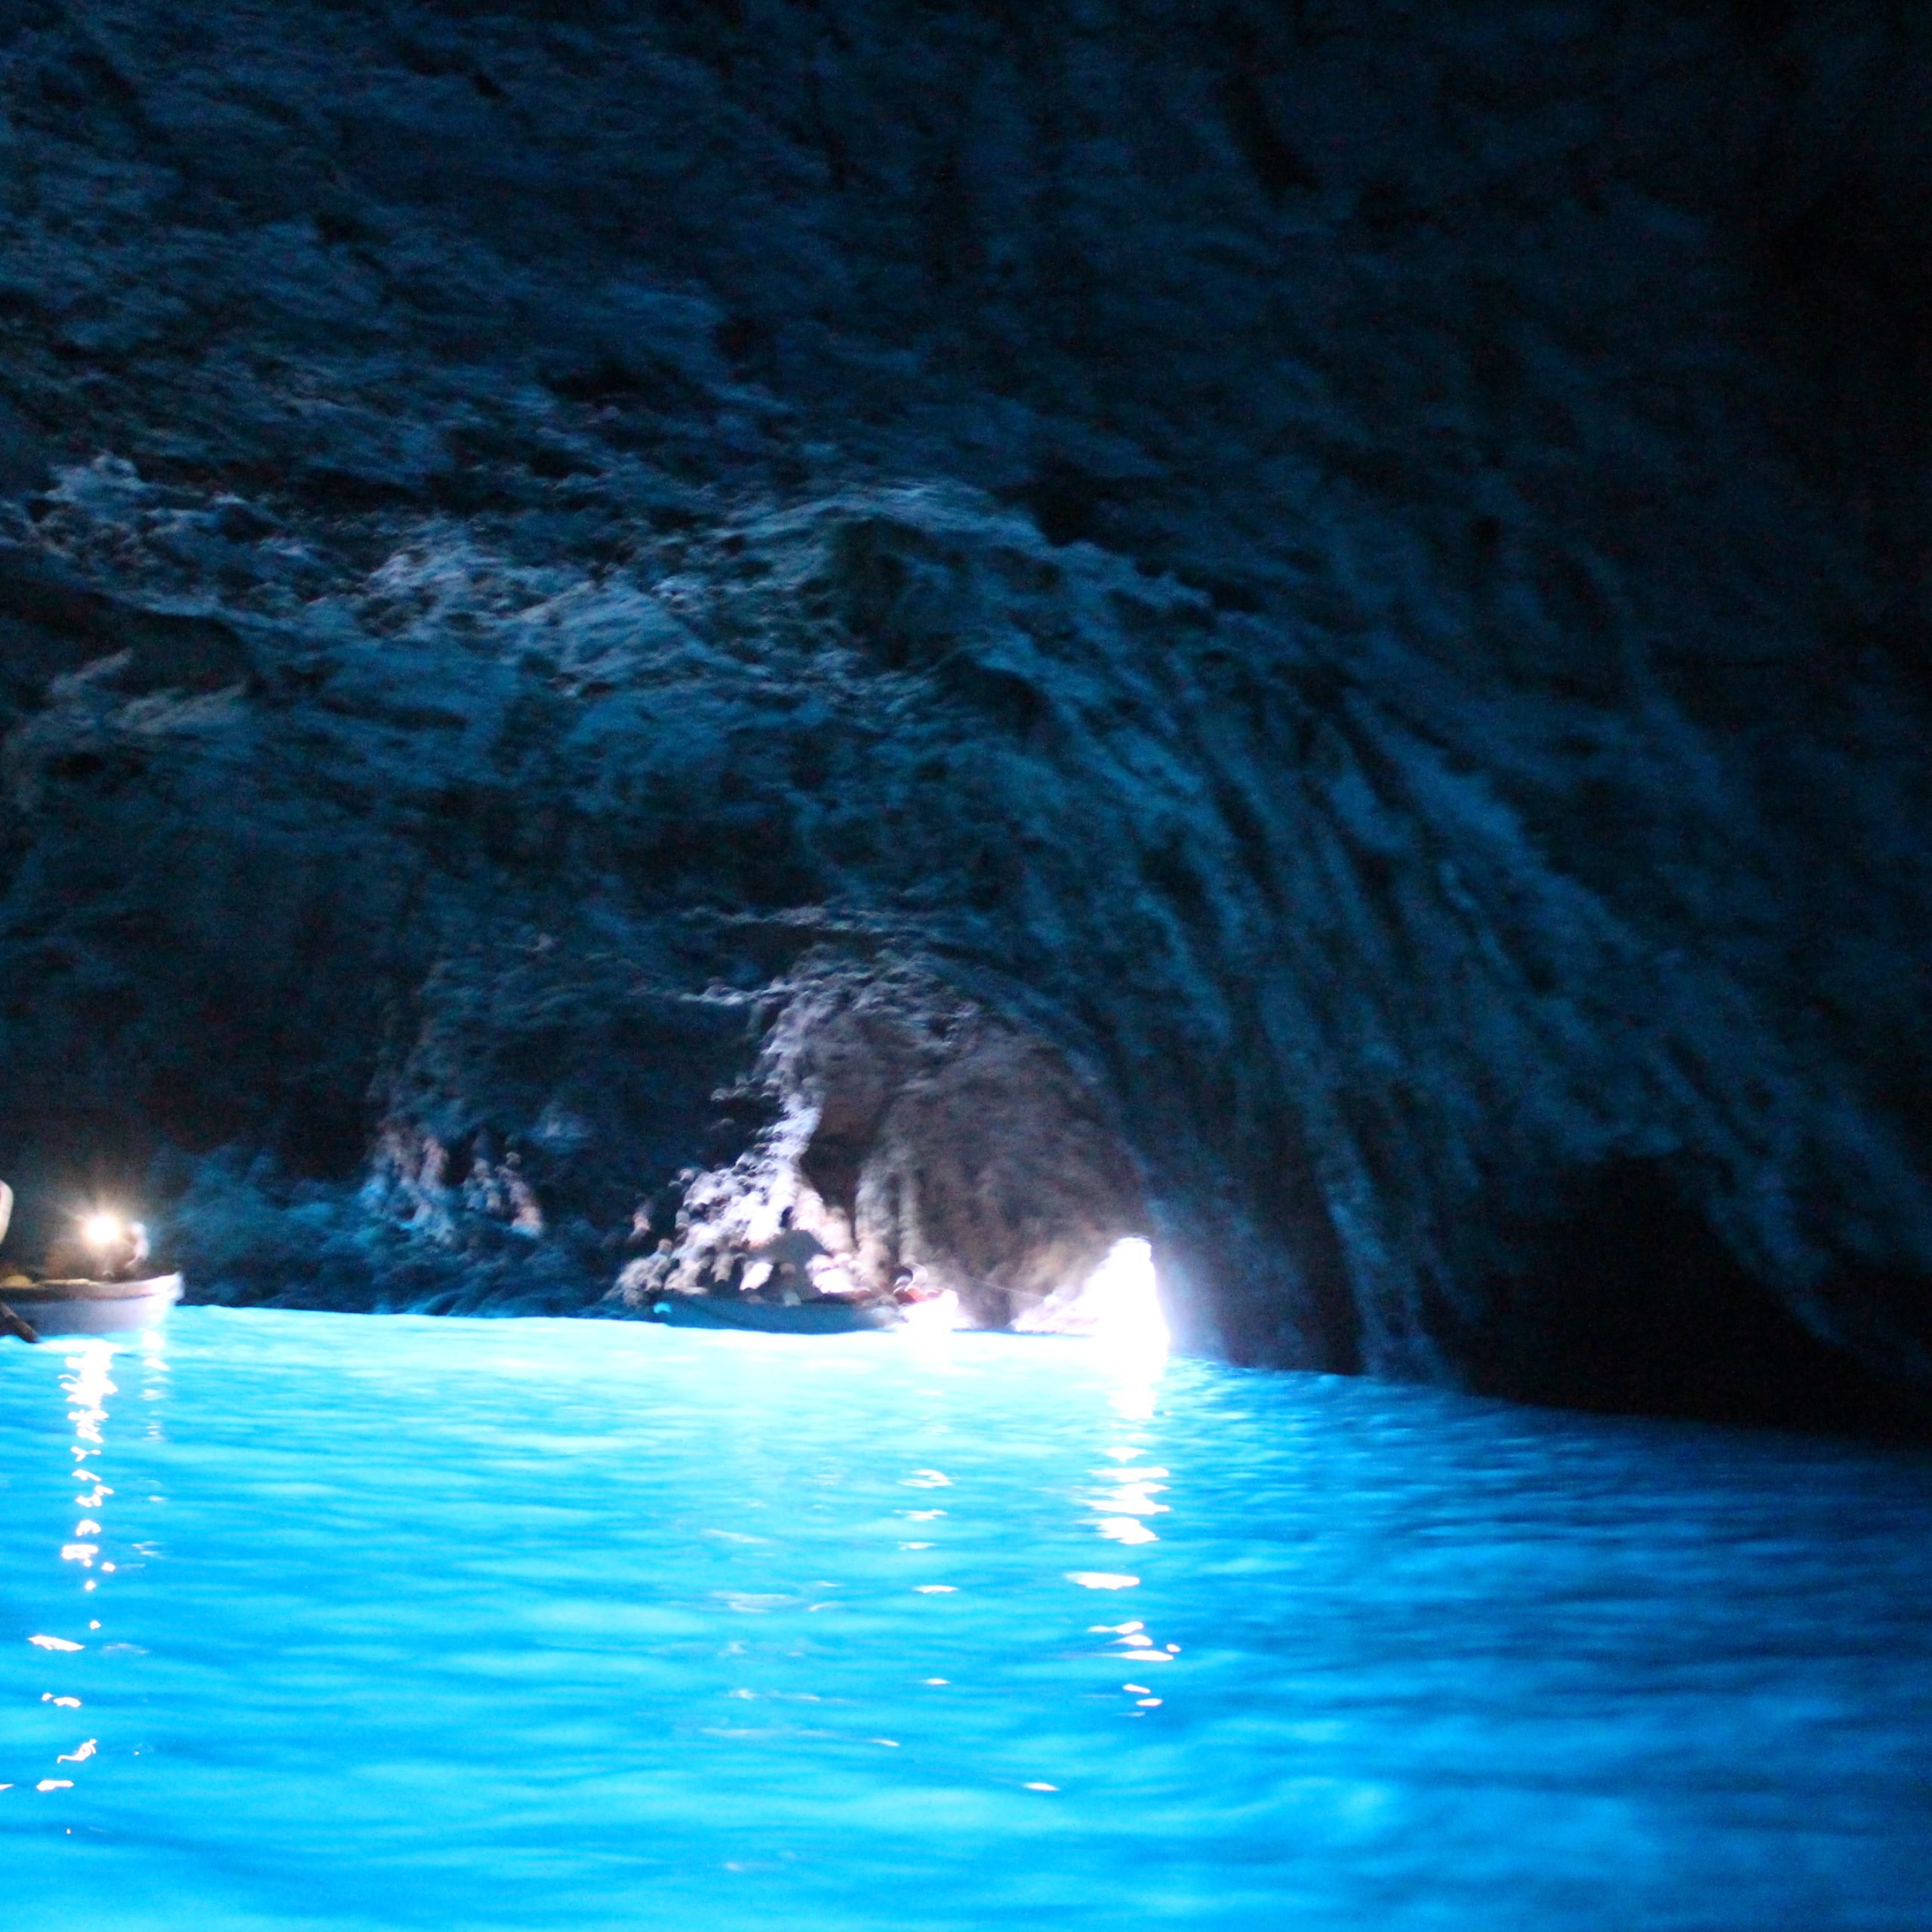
<point>1301,628</point>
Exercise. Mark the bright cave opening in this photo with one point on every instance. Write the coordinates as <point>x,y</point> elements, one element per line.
<point>1119,1305</point>
<point>932,1156</point>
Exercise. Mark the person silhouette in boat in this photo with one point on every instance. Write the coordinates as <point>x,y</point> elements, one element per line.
<point>11,1324</point>
<point>102,1247</point>
<point>12,1275</point>
<point>790,1252</point>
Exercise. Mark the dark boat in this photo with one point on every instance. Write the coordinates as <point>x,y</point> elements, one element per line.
<point>829,1316</point>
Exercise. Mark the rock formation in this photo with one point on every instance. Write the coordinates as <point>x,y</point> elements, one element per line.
<point>1301,629</point>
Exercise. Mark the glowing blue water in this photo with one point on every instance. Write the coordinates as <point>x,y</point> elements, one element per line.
<point>389,1623</point>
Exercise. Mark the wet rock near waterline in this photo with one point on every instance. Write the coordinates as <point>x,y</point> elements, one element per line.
<point>1302,631</point>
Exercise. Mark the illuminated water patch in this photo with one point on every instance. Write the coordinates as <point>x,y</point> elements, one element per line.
<point>323,1622</point>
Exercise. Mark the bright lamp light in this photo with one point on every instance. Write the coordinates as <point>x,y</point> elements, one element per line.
<point>103,1231</point>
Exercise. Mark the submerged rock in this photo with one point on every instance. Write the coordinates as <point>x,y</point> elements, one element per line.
<point>1300,631</point>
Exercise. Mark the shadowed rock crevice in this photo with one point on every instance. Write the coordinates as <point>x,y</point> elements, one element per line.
<point>1620,1297</point>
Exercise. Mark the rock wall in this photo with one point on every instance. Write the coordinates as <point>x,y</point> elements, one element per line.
<point>1317,614</point>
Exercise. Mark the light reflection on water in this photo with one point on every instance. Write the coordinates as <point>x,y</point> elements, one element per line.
<point>355,1623</point>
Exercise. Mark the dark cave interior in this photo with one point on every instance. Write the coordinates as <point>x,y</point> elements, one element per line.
<point>1301,632</point>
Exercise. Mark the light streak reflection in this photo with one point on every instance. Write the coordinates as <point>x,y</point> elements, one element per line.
<point>87,1387</point>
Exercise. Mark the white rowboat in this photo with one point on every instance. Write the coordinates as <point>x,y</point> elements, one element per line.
<point>91,1308</point>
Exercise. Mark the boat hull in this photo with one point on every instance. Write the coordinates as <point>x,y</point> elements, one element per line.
<point>93,1308</point>
<point>818,1317</point>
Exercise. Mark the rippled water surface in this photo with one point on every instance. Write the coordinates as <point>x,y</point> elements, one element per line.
<point>322,1621</point>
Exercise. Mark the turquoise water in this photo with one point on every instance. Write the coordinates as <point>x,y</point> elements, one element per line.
<point>402,1622</point>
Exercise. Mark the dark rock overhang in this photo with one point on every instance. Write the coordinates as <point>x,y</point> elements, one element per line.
<point>1343,590</point>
